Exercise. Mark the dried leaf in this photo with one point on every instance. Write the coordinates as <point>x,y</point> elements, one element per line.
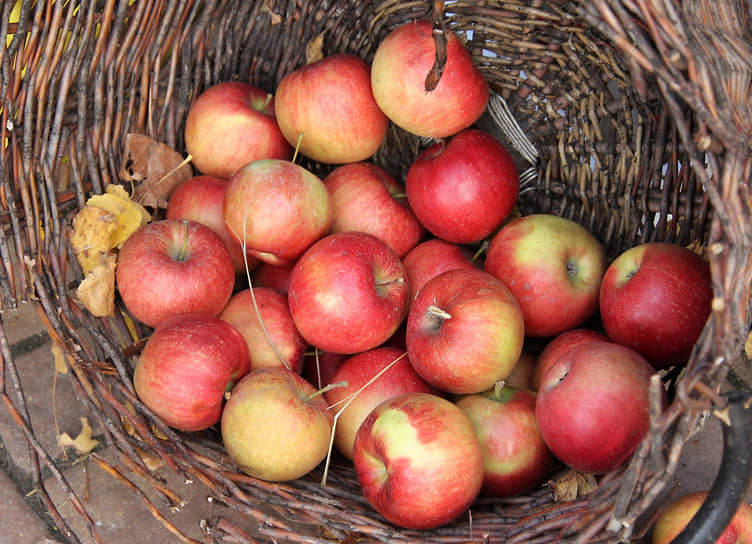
<point>275,17</point>
<point>93,231</point>
<point>97,290</point>
<point>59,358</point>
<point>154,168</point>
<point>315,48</point>
<point>572,485</point>
<point>129,215</point>
<point>748,346</point>
<point>83,443</point>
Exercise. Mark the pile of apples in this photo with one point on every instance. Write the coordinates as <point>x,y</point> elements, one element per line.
<point>368,324</point>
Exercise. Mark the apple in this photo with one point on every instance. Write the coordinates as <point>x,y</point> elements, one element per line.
<point>677,514</point>
<point>399,71</point>
<point>655,298</point>
<point>464,331</point>
<point>593,406</point>
<point>348,293</point>
<point>187,366</point>
<point>521,376</point>
<point>171,267</point>
<point>556,347</point>
<point>366,198</point>
<point>357,371</point>
<point>200,199</point>
<point>327,108</point>
<point>554,268</point>
<point>461,191</point>
<point>431,258</point>
<point>418,460</point>
<point>515,456</point>
<point>276,427</point>
<point>319,366</point>
<point>287,347</point>
<point>231,124</point>
<point>276,209</point>
<point>272,275</point>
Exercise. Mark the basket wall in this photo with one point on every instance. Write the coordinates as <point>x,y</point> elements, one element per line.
<point>636,122</point>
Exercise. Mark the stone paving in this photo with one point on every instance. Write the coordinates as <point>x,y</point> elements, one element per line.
<point>119,512</point>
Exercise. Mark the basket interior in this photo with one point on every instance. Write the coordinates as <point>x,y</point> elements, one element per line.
<point>619,116</point>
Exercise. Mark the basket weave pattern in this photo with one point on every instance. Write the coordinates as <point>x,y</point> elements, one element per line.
<point>636,121</point>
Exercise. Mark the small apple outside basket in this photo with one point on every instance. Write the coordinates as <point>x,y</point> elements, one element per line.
<point>632,118</point>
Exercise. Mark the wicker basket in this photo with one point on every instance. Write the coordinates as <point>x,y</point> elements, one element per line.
<point>632,118</point>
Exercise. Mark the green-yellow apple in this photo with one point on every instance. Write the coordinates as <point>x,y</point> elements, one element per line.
<point>277,209</point>
<point>287,347</point>
<point>418,460</point>
<point>655,298</point>
<point>462,190</point>
<point>554,268</point>
<point>399,71</point>
<point>348,293</point>
<point>465,331</point>
<point>171,267</point>
<point>231,124</point>
<point>515,456</point>
<point>357,371</point>
<point>678,513</point>
<point>366,198</point>
<point>593,406</point>
<point>275,426</point>
<point>328,109</point>
<point>187,366</point>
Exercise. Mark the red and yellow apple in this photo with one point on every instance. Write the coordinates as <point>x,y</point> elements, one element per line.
<point>431,258</point>
<point>556,347</point>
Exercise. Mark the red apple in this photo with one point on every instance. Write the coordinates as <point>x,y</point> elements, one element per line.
<point>556,347</point>
<point>275,427</point>
<point>366,198</point>
<point>678,513</point>
<point>418,460</point>
<point>348,293</point>
<point>277,209</point>
<point>272,275</point>
<point>200,199</point>
<point>431,258</point>
<point>399,69</point>
<point>553,266</point>
<point>328,108</point>
<point>358,370</point>
<point>464,331</point>
<point>287,347</point>
<point>185,368</point>
<point>319,366</point>
<point>515,456</point>
<point>521,376</point>
<point>655,298</point>
<point>593,406</point>
<point>171,267</point>
<point>463,190</point>
<point>231,124</point>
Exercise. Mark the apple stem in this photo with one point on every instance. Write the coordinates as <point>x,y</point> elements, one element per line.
<point>324,389</point>
<point>297,148</point>
<point>390,282</point>
<point>438,313</point>
<point>269,97</point>
<point>481,250</point>
<point>184,245</point>
<point>498,386</point>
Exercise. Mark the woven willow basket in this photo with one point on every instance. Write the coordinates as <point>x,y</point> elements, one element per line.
<point>633,118</point>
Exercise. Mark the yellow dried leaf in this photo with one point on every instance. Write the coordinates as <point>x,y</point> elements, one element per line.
<point>97,290</point>
<point>572,485</point>
<point>748,346</point>
<point>59,358</point>
<point>275,17</point>
<point>129,215</point>
<point>314,48</point>
<point>83,443</point>
<point>93,229</point>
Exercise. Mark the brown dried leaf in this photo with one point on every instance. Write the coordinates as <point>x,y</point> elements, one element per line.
<point>748,346</point>
<point>315,48</point>
<point>154,168</point>
<point>83,443</point>
<point>275,17</point>
<point>572,485</point>
<point>97,290</point>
